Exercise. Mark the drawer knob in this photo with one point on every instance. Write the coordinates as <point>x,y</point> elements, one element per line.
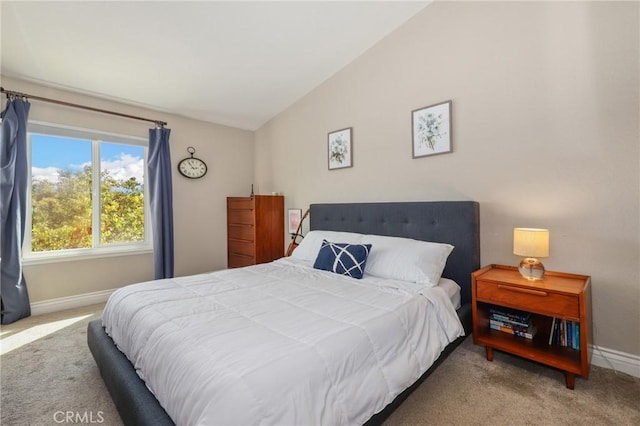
<point>523,290</point>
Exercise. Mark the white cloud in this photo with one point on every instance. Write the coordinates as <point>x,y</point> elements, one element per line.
<point>79,167</point>
<point>126,167</point>
<point>123,168</point>
<point>45,173</point>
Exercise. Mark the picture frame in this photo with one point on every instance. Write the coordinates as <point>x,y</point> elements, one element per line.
<point>294,217</point>
<point>340,148</point>
<point>431,130</point>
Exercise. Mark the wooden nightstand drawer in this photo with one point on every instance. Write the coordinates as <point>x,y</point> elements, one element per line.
<point>540,301</point>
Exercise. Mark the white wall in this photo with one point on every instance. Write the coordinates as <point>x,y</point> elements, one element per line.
<point>545,134</point>
<point>199,205</point>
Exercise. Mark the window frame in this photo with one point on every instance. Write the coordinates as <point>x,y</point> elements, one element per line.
<point>98,249</point>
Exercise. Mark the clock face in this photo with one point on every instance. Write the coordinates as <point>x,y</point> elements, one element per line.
<point>192,168</point>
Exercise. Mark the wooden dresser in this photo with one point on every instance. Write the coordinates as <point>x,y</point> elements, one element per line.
<point>255,229</point>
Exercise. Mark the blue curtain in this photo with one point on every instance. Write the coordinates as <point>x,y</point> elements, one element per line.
<point>13,205</point>
<point>161,201</point>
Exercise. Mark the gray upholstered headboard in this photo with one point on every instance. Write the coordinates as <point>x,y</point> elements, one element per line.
<point>453,222</point>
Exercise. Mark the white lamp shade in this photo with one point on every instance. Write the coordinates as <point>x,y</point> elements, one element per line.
<point>531,242</point>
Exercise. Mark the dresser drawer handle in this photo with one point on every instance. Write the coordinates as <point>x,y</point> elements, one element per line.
<point>523,290</point>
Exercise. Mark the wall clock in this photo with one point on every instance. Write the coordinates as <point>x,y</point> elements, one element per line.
<point>192,167</point>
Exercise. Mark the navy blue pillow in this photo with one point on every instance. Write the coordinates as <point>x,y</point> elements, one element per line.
<point>343,259</point>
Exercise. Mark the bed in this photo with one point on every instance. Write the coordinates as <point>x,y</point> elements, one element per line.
<point>455,223</point>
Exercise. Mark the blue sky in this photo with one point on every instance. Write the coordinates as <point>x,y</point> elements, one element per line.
<point>49,153</point>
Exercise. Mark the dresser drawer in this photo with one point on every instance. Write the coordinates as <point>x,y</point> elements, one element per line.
<point>240,203</point>
<point>238,260</point>
<point>238,231</point>
<point>535,300</point>
<point>246,248</point>
<point>245,217</point>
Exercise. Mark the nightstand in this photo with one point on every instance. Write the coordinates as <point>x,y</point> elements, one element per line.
<point>558,295</point>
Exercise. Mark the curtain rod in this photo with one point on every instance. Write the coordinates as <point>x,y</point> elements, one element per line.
<point>11,93</point>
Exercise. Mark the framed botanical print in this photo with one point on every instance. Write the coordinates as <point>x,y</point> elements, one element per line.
<point>431,130</point>
<point>340,149</point>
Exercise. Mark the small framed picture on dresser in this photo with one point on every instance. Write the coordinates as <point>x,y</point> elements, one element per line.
<point>294,217</point>
<point>340,149</point>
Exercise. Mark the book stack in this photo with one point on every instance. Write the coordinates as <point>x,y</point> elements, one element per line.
<point>565,333</point>
<point>512,321</point>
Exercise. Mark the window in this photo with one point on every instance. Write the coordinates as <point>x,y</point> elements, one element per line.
<point>87,193</point>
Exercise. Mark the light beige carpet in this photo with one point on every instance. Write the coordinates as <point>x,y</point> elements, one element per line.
<point>48,374</point>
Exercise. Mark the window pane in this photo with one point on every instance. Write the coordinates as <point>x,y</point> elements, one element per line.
<point>60,193</point>
<point>122,191</point>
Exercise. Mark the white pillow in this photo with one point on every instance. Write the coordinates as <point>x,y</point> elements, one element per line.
<point>310,244</point>
<point>406,259</point>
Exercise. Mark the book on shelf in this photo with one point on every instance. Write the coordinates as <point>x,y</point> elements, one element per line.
<point>501,323</point>
<point>507,320</point>
<point>565,333</point>
<point>556,332</point>
<point>529,333</point>
<point>511,314</point>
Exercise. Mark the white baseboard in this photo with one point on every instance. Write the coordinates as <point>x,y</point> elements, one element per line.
<point>70,302</point>
<point>616,360</point>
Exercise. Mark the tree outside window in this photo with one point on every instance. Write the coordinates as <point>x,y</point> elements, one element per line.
<point>69,210</point>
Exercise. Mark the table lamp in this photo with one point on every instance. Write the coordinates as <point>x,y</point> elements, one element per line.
<point>531,243</point>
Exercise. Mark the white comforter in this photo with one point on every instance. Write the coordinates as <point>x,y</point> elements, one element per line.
<point>279,343</point>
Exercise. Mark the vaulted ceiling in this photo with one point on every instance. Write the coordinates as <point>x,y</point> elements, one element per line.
<point>233,63</point>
